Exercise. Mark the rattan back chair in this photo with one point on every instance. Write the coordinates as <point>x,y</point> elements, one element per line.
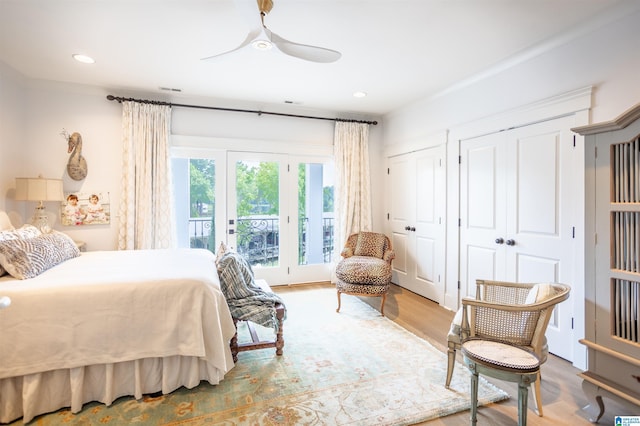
<point>500,312</point>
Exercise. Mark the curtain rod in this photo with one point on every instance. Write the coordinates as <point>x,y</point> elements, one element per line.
<point>144,101</point>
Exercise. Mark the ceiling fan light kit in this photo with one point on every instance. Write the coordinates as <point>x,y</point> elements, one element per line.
<point>262,44</point>
<point>261,38</point>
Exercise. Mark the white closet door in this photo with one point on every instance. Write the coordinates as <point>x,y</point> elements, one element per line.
<point>417,221</point>
<point>518,204</point>
<point>483,221</point>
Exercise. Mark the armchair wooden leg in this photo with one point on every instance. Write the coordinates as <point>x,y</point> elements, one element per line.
<point>384,299</point>
<point>338,310</point>
<point>537,396</point>
<point>451,363</point>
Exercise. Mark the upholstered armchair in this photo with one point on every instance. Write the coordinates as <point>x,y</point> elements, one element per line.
<point>365,268</point>
<point>516,313</point>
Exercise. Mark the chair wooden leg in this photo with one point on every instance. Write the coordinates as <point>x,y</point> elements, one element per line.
<point>474,396</point>
<point>338,310</point>
<point>279,339</point>
<point>384,299</point>
<point>537,395</point>
<point>451,362</point>
<point>233,344</point>
<point>523,395</point>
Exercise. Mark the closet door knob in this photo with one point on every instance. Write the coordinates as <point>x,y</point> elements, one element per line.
<point>413,229</point>
<point>511,243</point>
<point>499,240</point>
<point>407,228</point>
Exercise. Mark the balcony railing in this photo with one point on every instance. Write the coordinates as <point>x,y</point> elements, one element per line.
<point>258,238</point>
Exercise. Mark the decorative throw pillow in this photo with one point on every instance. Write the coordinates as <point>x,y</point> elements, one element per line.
<point>370,244</point>
<point>26,231</point>
<point>346,252</point>
<point>5,222</point>
<point>27,258</point>
<point>22,233</point>
<point>222,250</point>
<point>456,323</point>
<point>539,293</point>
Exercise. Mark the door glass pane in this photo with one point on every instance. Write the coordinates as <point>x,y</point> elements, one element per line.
<point>194,197</point>
<point>258,212</point>
<point>202,203</point>
<point>315,213</point>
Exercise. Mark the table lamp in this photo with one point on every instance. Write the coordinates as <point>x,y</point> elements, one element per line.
<point>39,189</point>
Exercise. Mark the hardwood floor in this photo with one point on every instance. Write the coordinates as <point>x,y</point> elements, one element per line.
<point>562,394</point>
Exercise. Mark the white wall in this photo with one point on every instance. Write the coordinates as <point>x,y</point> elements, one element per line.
<point>12,135</point>
<point>602,54</point>
<point>607,58</point>
<point>33,113</point>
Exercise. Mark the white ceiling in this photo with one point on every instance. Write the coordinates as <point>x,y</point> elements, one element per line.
<point>397,51</point>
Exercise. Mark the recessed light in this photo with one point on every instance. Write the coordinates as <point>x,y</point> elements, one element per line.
<point>261,44</point>
<point>83,58</point>
<point>359,94</point>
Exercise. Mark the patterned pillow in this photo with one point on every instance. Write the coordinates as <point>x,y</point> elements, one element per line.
<point>26,231</point>
<point>370,244</point>
<point>27,258</point>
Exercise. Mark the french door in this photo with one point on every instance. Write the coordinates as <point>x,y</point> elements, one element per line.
<point>256,212</point>
<point>274,209</point>
<point>277,215</point>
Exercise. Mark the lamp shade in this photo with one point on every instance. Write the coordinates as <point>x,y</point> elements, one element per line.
<point>39,189</point>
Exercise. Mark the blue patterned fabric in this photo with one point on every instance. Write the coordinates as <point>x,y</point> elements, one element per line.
<point>247,301</point>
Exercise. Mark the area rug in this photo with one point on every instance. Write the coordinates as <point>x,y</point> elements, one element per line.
<point>349,368</point>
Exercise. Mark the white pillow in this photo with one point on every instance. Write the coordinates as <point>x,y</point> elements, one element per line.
<point>539,293</point>
<point>5,222</point>
<point>456,323</point>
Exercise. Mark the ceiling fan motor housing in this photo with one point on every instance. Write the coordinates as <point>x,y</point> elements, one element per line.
<point>265,6</point>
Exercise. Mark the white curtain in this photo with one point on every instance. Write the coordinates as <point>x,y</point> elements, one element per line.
<point>353,188</point>
<point>146,206</point>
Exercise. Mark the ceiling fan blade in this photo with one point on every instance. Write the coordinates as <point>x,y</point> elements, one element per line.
<point>263,39</point>
<point>250,12</point>
<point>250,37</point>
<point>304,51</point>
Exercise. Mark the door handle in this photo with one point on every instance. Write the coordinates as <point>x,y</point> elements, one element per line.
<point>499,240</point>
<point>412,229</point>
<point>511,243</point>
<point>407,228</point>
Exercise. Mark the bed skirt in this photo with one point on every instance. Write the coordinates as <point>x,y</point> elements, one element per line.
<point>34,394</point>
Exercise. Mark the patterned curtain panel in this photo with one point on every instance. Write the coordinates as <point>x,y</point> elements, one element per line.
<point>353,188</point>
<point>146,208</point>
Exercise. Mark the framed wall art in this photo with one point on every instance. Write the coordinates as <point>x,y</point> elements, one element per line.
<point>85,208</point>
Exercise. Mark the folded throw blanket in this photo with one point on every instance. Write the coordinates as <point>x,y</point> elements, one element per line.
<point>246,300</point>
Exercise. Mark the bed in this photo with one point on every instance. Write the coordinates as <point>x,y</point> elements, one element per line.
<point>105,324</point>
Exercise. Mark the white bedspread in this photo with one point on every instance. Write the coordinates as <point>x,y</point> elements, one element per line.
<point>109,307</point>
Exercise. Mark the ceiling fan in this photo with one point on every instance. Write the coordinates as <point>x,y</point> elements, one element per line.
<point>261,38</point>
